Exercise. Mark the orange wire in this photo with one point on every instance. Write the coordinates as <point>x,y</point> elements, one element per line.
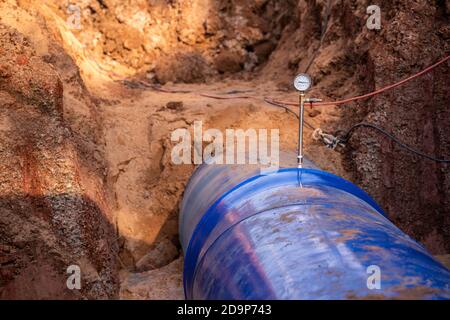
<point>329,103</point>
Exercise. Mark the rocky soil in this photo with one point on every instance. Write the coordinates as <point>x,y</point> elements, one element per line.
<point>86,116</point>
<point>53,207</point>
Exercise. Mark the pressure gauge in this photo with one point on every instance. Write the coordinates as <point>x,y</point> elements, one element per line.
<point>302,82</point>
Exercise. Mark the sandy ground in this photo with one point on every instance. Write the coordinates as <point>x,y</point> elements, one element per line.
<point>148,187</point>
<point>85,135</point>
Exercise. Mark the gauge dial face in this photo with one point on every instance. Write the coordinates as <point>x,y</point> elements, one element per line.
<point>302,82</point>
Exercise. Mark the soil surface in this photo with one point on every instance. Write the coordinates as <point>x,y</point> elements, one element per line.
<point>87,112</point>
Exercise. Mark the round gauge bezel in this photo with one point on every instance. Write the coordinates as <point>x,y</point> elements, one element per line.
<point>304,78</point>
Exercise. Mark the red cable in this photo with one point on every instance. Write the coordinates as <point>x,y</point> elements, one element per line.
<point>329,103</point>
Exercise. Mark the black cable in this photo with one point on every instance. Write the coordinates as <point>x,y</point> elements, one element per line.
<point>289,110</point>
<point>347,136</point>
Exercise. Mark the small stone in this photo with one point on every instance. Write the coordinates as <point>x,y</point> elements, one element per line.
<point>159,256</point>
<point>314,113</point>
<point>22,60</point>
<point>175,105</point>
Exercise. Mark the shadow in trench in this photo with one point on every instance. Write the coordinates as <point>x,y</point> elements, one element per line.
<point>41,236</point>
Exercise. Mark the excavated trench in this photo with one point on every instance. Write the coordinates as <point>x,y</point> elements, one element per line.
<point>87,113</point>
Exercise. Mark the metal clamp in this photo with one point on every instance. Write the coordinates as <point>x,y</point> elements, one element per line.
<point>329,140</point>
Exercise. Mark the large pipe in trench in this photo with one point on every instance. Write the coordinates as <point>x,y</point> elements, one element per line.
<point>296,234</point>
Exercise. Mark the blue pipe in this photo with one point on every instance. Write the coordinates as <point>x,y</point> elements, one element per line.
<point>296,234</point>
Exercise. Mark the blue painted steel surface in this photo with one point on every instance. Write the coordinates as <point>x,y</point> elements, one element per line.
<point>295,234</point>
